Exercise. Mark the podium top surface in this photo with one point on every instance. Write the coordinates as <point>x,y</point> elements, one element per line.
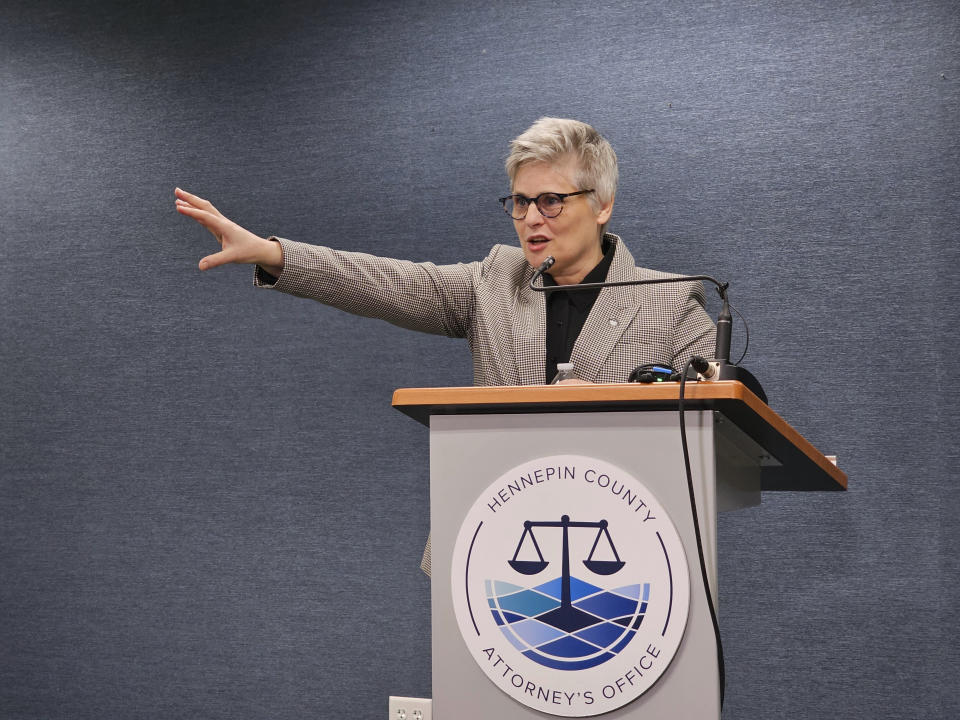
<point>802,466</point>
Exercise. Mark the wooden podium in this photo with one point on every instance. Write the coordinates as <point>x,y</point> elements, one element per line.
<point>738,446</point>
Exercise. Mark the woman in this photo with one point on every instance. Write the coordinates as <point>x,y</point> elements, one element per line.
<point>563,179</point>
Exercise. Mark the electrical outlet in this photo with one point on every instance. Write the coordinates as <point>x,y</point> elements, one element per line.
<point>404,708</point>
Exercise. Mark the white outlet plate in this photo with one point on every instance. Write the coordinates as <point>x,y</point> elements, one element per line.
<point>404,708</point>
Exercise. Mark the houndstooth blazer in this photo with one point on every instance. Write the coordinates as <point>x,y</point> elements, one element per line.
<point>491,304</point>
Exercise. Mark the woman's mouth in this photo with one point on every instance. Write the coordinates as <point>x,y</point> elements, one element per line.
<point>537,243</point>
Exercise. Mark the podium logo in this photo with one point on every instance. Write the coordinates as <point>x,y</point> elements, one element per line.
<point>570,585</point>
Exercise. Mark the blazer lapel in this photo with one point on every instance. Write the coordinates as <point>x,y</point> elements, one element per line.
<point>609,317</point>
<point>529,333</point>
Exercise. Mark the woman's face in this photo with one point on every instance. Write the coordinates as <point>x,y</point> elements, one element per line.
<point>573,236</point>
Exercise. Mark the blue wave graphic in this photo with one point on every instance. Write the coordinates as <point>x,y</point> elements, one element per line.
<point>598,624</point>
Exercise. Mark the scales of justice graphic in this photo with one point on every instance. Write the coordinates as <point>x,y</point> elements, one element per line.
<point>567,617</point>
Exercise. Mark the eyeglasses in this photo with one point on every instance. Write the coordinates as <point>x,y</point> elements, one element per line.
<point>549,204</point>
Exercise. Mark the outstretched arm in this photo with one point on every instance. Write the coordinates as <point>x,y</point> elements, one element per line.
<point>237,245</point>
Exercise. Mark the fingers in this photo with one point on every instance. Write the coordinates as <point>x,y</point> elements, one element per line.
<point>195,200</point>
<point>214,222</point>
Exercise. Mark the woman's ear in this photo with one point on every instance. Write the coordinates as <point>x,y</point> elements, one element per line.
<point>603,214</point>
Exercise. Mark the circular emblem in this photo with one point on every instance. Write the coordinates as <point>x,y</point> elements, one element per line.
<point>570,585</point>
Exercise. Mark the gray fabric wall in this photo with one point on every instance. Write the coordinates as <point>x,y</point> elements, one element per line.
<point>208,508</point>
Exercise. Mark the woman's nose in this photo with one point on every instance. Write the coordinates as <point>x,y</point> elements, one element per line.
<point>533,217</point>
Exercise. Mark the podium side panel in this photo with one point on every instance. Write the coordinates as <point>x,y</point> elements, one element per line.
<point>468,452</point>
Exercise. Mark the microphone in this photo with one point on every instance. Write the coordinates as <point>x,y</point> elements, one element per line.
<point>721,368</point>
<point>544,266</point>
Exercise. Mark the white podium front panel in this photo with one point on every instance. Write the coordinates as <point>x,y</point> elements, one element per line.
<point>469,452</point>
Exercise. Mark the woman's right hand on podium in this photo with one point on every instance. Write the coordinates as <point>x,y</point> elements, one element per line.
<point>237,245</point>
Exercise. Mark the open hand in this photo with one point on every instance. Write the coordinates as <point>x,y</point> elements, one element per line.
<point>237,245</point>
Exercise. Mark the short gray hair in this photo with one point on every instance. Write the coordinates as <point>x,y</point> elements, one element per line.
<point>550,140</point>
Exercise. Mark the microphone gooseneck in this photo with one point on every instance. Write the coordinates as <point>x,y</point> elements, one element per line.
<point>548,263</point>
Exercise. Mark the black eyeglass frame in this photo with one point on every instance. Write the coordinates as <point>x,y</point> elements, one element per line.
<point>536,201</point>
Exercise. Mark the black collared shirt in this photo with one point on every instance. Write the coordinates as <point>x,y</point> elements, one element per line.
<point>568,311</point>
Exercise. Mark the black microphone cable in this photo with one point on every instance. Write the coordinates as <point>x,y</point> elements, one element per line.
<point>693,362</point>
<point>746,330</point>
